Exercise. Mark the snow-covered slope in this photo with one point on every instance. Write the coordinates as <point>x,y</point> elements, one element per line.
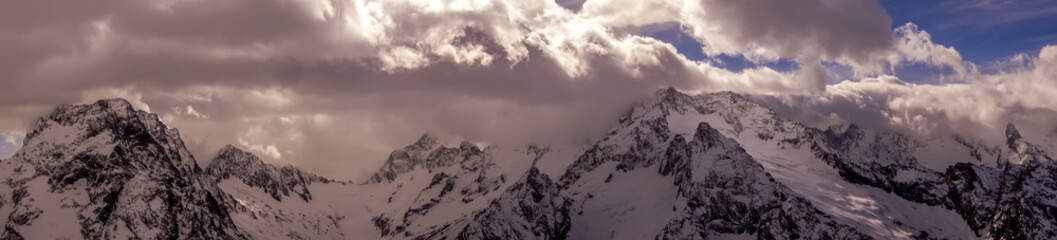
<point>676,167</point>
<point>279,182</point>
<point>431,191</point>
<point>532,208</point>
<point>1017,200</point>
<point>645,180</point>
<point>876,181</point>
<point>868,179</point>
<point>795,155</point>
<point>276,202</point>
<point>106,171</point>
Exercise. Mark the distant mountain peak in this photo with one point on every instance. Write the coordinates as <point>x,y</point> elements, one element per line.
<point>1012,136</point>
<point>112,105</point>
<point>468,146</point>
<point>427,153</point>
<point>100,113</point>
<point>128,166</point>
<point>229,148</point>
<point>226,156</point>
<point>232,162</point>
<point>669,91</point>
<point>706,134</point>
<point>427,141</point>
<point>670,95</point>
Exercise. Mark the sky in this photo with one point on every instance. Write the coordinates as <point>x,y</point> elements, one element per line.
<point>333,86</point>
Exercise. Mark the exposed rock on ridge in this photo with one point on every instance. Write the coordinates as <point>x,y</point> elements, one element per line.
<point>232,162</point>
<point>106,171</point>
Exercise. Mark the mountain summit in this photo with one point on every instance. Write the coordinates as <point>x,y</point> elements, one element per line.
<point>278,182</point>
<point>106,171</point>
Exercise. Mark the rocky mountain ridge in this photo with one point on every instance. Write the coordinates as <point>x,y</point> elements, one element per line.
<point>675,167</point>
<point>105,171</point>
<point>278,182</point>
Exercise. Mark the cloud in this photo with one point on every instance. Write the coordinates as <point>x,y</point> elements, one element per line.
<point>334,85</point>
<point>12,141</point>
<point>916,46</point>
<point>849,33</point>
<point>980,108</point>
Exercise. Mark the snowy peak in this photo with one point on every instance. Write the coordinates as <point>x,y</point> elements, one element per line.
<point>1021,151</point>
<point>672,98</point>
<point>425,153</point>
<point>648,128</point>
<point>112,114</point>
<point>705,177</point>
<point>424,143</point>
<point>532,208</point>
<point>106,171</point>
<point>435,193</point>
<point>102,124</point>
<point>667,129</point>
<point>68,114</point>
<point>232,162</point>
<point>717,175</point>
<point>709,137</point>
<point>1012,136</point>
<point>1016,202</point>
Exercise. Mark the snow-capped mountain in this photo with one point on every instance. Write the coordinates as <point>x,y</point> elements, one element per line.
<point>675,167</point>
<point>279,182</point>
<point>433,190</point>
<point>877,182</point>
<point>532,208</point>
<point>276,202</point>
<point>1017,200</point>
<point>648,180</point>
<point>106,171</point>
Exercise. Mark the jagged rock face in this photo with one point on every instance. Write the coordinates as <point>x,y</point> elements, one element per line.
<point>106,171</point>
<point>727,192</point>
<point>880,159</point>
<point>276,202</point>
<point>978,150</point>
<point>639,137</point>
<point>232,162</point>
<point>645,139</point>
<point>990,198</point>
<point>1016,201</point>
<point>437,189</point>
<point>530,209</point>
<point>1013,138</point>
<point>1021,151</point>
<point>676,167</point>
<point>707,187</point>
<point>402,161</point>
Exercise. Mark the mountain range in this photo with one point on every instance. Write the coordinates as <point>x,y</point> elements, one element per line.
<point>676,166</point>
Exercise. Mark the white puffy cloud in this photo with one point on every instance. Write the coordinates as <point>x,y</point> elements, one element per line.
<point>849,33</point>
<point>915,45</point>
<point>981,108</point>
<point>11,142</point>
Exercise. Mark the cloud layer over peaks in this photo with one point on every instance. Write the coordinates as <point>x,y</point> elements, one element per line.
<point>334,85</point>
